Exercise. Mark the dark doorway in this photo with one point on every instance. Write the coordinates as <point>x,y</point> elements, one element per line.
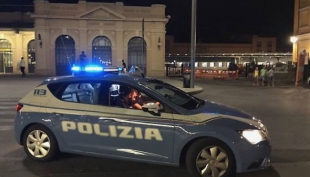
<point>6,62</point>
<point>31,56</point>
<point>102,51</point>
<point>65,55</point>
<point>137,53</point>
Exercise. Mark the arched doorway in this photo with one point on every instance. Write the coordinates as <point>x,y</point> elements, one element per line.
<point>137,53</point>
<point>102,51</point>
<point>31,56</point>
<point>6,62</point>
<point>65,54</point>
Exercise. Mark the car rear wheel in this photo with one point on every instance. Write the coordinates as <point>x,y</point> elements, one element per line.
<point>39,143</point>
<point>209,157</point>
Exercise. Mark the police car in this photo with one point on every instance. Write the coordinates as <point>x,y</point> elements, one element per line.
<point>78,114</point>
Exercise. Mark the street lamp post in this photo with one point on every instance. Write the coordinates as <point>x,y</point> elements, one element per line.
<point>295,57</point>
<point>193,42</point>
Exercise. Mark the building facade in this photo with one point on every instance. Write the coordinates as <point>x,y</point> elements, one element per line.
<point>16,41</point>
<point>261,50</point>
<point>257,45</point>
<point>301,28</point>
<point>106,32</point>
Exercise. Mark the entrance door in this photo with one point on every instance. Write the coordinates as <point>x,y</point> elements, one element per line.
<point>31,56</point>
<point>102,51</point>
<point>137,53</point>
<point>6,62</point>
<point>65,55</point>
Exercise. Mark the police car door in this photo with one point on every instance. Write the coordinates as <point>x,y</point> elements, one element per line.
<point>71,114</point>
<point>132,133</point>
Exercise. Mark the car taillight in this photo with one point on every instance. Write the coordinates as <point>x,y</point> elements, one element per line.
<point>18,107</point>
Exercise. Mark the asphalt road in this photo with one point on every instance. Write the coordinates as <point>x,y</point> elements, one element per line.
<point>284,109</point>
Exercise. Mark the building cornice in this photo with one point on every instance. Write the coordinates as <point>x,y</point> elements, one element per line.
<point>303,36</point>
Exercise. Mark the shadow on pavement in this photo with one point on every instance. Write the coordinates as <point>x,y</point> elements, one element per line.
<point>79,166</point>
<point>75,165</point>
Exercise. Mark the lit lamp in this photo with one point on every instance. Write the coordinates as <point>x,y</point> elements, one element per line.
<point>293,39</point>
<point>158,44</point>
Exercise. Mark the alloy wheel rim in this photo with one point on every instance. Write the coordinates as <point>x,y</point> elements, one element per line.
<point>212,162</point>
<point>38,144</point>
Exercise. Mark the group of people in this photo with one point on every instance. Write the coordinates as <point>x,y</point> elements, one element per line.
<point>131,98</point>
<point>264,75</point>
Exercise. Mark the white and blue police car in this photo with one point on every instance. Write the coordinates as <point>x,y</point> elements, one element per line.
<point>80,114</point>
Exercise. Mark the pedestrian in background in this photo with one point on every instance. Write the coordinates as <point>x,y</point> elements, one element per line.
<point>22,66</point>
<point>124,66</point>
<point>256,75</point>
<point>263,74</point>
<point>82,59</point>
<point>271,77</point>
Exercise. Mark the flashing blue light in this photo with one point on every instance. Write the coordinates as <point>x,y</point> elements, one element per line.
<point>120,69</point>
<point>93,68</point>
<point>89,68</point>
<point>75,68</point>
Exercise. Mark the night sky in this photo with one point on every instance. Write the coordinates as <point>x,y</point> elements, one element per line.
<point>218,21</point>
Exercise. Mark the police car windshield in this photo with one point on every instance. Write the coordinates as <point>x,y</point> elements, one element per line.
<point>173,94</point>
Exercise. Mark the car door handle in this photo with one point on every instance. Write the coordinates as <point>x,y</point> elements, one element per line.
<point>107,121</point>
<point>58,114</point>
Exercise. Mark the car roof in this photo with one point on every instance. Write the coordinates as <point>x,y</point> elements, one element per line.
<point>104,77</point>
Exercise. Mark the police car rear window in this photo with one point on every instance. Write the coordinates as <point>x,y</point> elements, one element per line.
<point>78,92</point>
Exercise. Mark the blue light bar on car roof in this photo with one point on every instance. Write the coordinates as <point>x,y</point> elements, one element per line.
<point>75,68</point>
<point>88,68</point>
<point>93,68</point>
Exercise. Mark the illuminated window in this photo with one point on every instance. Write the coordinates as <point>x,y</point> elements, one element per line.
<point>220,64</point>
<point>205,64</point>
<point>228,64</point>
<point>196,64</point>
<point>211,64</point>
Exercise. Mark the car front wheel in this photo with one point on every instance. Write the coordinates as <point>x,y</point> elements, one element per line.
<point>209,157</point>
<point>39,143</point>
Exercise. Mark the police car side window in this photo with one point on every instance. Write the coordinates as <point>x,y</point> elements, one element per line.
<point>81,92</point>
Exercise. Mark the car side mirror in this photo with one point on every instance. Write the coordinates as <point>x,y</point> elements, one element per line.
<point>151,107</point>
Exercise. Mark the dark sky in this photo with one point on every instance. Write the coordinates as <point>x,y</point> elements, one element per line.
<point>219,20</point>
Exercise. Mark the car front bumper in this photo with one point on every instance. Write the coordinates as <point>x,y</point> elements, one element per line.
<point>253,157</point>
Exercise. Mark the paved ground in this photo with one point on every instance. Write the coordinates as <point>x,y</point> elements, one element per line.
<point>285,109</point>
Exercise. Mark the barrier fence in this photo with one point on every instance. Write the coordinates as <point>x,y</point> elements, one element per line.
<point>214,74</point>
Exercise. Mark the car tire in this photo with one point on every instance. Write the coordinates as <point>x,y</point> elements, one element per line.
<point>210,157</point>
<point>40,143</point>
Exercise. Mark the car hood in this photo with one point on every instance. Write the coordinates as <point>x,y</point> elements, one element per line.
<point>210,107</point>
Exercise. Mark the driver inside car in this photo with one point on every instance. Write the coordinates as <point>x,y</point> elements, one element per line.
<point>136,100</point>
<point>124,99</point>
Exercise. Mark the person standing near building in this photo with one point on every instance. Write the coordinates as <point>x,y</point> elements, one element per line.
<point>22,65</point>
<point>263,75</point>
<point>124,66</point>
<point>82,59</point>
<point>271,77</point>
<point>256,75</point>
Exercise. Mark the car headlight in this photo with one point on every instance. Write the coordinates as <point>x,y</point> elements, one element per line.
<point>253,136</point>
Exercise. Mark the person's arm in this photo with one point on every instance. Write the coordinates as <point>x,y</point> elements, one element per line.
<point>137,106</point>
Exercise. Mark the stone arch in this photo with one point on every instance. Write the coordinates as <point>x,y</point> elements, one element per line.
<point>132,35</point>
<point>137,54</point>
<point>102,50</point>
<point>93,35</point>
<point>64,54</point>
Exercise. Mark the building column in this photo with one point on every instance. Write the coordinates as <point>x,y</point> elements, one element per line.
<point>83,46</point>
<point>119,54</point>
<point>18,53</point>
<point>42,54</point>
<point>156,62</point>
